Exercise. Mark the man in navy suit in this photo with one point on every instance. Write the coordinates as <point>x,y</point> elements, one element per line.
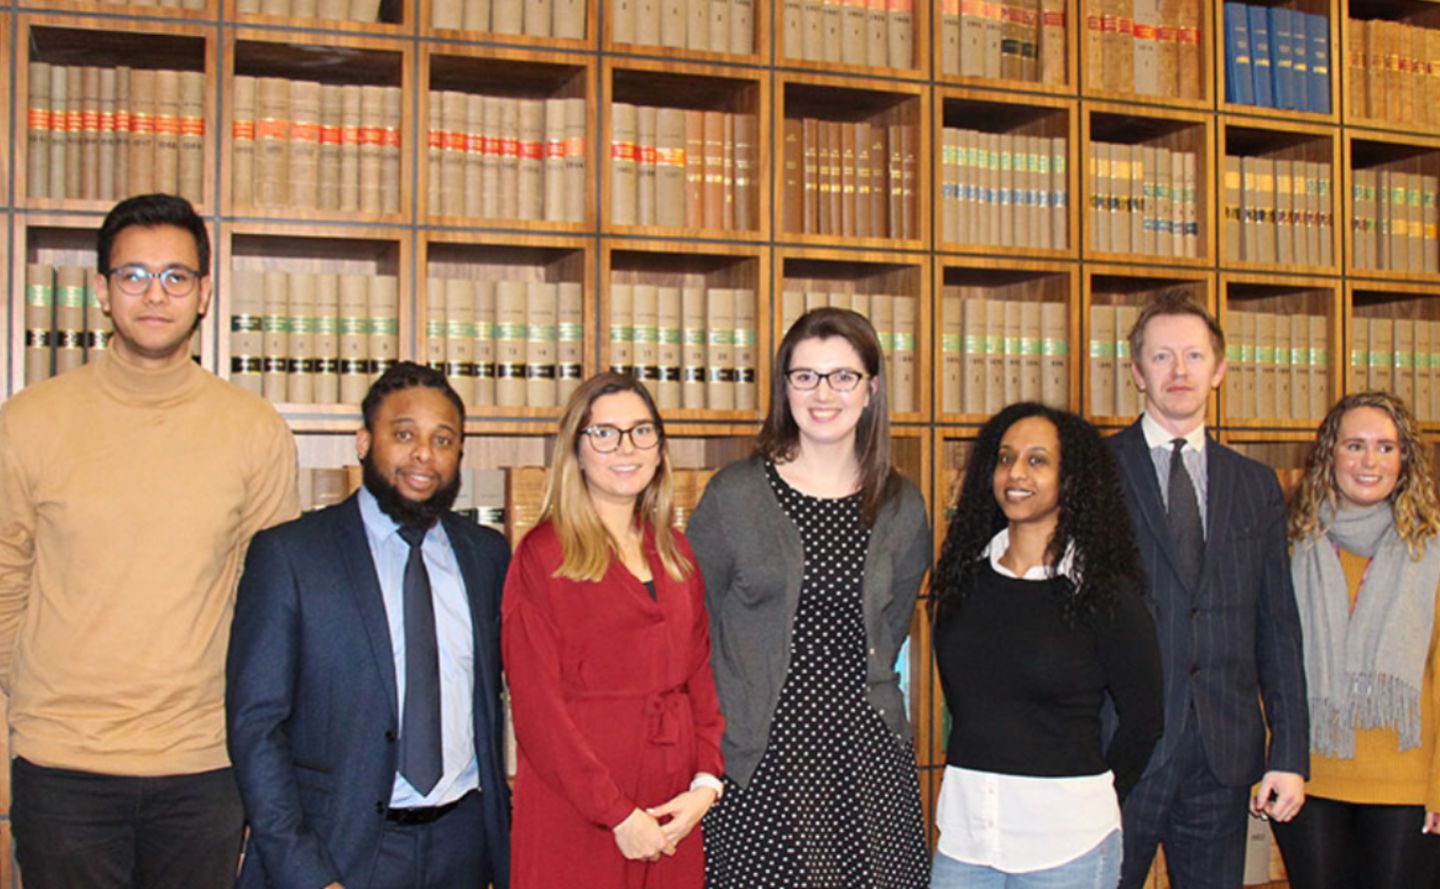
<point>363,699</point>
<point>1210,525</point>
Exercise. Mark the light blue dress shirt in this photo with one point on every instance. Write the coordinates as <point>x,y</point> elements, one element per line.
<point>455,637</point>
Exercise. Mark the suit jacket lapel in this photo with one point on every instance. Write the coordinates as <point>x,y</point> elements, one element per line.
<point>1217,506</point>
<point>360,571</point>
<point>1139,467</point>
<point>474,577</point>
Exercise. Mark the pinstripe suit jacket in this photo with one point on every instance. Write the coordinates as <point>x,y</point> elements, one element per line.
<point>1232,645</point>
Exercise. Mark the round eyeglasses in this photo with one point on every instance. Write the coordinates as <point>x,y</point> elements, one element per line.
<point>134,279</point>
<point>605,438</point>
<point>842,380</point>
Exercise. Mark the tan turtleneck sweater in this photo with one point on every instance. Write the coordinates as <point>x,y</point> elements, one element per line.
<point>127,499</point>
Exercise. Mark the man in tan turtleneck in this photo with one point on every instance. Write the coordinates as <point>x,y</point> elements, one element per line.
<point>129,490</point>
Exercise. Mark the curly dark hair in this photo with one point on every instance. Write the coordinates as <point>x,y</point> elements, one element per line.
<point>1093,517</point>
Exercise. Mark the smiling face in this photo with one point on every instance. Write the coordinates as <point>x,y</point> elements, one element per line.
<point>824,416</point>
<point>1367,458</point>
<point>153,329</point>
<point>1176,369</point>
<point>416,444</point>
<point>621,476</point>
<point>1027,473</point>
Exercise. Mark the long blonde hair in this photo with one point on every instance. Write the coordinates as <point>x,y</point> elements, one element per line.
<point>585,543</point>
<point>1413,502</point>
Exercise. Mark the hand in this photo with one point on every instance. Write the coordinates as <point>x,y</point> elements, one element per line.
<point>640,838</point>
<point>684,812</point>
<point>1279,796</point>
<point>335,885</point>
<point>1432,823</point>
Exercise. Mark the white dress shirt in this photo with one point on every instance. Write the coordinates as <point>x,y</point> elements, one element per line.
<point>1158,439</point>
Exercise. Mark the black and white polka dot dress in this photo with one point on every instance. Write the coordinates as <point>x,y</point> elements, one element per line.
<point>835,800</point>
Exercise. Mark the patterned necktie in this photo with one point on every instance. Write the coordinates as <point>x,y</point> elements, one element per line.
<point>421,759</point>
<point>1184,518</point>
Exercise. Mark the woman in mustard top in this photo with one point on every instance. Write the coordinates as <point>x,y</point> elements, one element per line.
<point>1366,566</point>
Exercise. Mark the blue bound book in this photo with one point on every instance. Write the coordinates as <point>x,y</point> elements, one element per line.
<point>1300,61</point>
<point>1260,57</point>
<point>1239,87</point>
<point>1317,27</point>
<point>1282,71</point>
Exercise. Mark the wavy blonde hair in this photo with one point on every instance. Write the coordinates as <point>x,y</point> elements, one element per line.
<point>1413,502</point>
<point>585,543</point>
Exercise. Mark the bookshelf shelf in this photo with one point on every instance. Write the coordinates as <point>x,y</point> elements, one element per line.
<point>690,30</point>
<point>1392,206</point>
<point>1279,61</point>
<point>1283,350</point>
<point>1166,61</point>
<point>195,10</point>
<point>1278,197</point>
<point>1390,48</point>
<point>537,24</point>
<point>970,45</point>
<point>858,36</point>
<point>1394,337</point>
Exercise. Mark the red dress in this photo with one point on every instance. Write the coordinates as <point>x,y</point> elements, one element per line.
<point>615,708</point>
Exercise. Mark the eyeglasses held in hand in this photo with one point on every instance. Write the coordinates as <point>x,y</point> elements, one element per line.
<point>605,438</point>
<point>842,380</point>
<point>134,279</point>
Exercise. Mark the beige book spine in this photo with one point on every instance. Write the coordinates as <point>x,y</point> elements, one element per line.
<point>623,172</point>
<point>275,332</point>
<point>906,328</point>
<point>792,306</point>
<point>1359,355</point>
<point>1283,378</point>
<point>326,387</point>
<point>509,180</point>
<point>646,136</point>
<point>384,300</point>
<point>812,35</point>
<point>1055,355</point>
<point>110,171</point>
<point>74,131</point>
<point>747,396</point>
<point>542,307</point>
<point>950,36</point>
<point>141,156</point>
<point>451,115</point>
<point>647,22</point>
<point>746,213</point>
<point>1319,361</point>
<point>490,160</point>
<point>351,118</point>
<point>974,315</point>
<point>1053,42</point>
<point>434,346</point>
<point>1031,363</point>
<point>668,345</point>
<point>569,339</point>
<point>372,146</point>
<point>622,326</point>
<point>673,24</point>
<point>167,131</point>
<point>952,352</point>
<point>1010,349</point>
<point>447,14</point>
<point>854,32</point>
<point>302,366</point>
<point>644,332</point>
<point>90,133</point>
<point>882,318</point>
<point>537,15</point>
<point>1238,332</point>
<point>39,321</point>
<point>1402,359</point>
<point>511,332</point>
<point>900,31</point>
<point>247,331</point>
<point>38,130</point>
<point>98,328</point>
<point>486,330</point>
<point>720,349</point>
<point>576,192</point>
<point>391,108</point>
<point>474,138</point>
<point>1265,383</point>
<point>742,27</point>
<point>59,120</point>
<point>242,142</point>
<point>1299,407</point>
<point>622,21</point>
<point>877,33</point>
<point>303,170</point>
<point>530,193</point>
<point>693,346</point>
<point>191,145</point>
<point>1102,361</point>
<point>568,20</point>
<point>554,160</point>
<point>272,143</point>
<point>458,334</point>
<point>69,336</point>
<point>792,44</point>
<point>1127,396</point>
<point>507,16</point>
<point>670,168</point>
<point>714,132</point>
<point>993,333</point>
<point>720,16</point>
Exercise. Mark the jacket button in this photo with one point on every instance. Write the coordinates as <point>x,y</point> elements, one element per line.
<point>390,736</point>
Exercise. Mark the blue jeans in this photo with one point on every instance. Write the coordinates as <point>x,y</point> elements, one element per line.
<point>1097,869</point>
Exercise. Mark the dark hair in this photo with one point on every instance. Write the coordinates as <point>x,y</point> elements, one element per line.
<point>406,375</point>
<point>152,211</point>
<point>1093,517</point>
<point>879,481</point>
<point>1174,302</point>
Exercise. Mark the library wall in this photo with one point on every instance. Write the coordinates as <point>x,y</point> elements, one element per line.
<point>522,192</point>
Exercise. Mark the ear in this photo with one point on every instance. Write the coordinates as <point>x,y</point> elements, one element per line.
<point>362,443</point>
<point>102,292</point>
<point>207,290</point>
<point>1135,374</point>
<point>1219,375</point>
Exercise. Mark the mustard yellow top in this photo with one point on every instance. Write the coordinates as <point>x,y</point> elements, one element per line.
<point>1379,773</point>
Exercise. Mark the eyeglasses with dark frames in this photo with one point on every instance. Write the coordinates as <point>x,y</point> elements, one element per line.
<point>133,279</point>
<point>605,438</point>
<point>842,380</point>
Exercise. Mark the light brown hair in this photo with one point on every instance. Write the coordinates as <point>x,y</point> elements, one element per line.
<point>1174,302</point>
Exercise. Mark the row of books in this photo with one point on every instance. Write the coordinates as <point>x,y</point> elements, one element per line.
<point>1015,40</point>
<point>703,25</point>
<point>532,18</point>
<point>311,337</point>
<point>1277,58</point>
<point>63,322</point>
<point>1396,224</point>
<point>1392,71</point>
<point>1112,391</point>
<point>1143,200</point>
<point>893,317</point>
<point>1279,365</point>
<point>682,168</point>
<point>169,4</point>
<point>995,352</point>
<point>100,134</point>
<point>328,10</point>
<point>524,495</point>
<point>493,157</point>
<point>1006,189</point>
<point>1278,209</point>
<point>1150,47</point>
<point>693,345</point>
<point>876,33</point>
<point>302,145</point>
<point>853,179</point>
<point>1399,355</point>
<point>506,343</point>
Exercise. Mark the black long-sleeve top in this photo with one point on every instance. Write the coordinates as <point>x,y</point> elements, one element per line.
<point>1025,688</point>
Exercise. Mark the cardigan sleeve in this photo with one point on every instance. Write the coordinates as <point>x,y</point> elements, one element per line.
<point>544,731</point>
<point>1130,655</point>
<point>711,546</point>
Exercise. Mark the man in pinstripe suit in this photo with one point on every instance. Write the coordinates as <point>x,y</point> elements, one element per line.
<point>1210,525</point>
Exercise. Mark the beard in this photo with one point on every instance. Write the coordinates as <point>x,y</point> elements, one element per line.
<point>407,512</point>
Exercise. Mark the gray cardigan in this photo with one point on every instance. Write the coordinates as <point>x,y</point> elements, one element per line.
<point>751,557</point>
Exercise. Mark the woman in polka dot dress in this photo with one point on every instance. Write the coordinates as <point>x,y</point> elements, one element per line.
<point>813,551</point>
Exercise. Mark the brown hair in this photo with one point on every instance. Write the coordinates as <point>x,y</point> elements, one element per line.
<point>1174,302</point>
<point>585,543</point>
<point>1413,502</point>
<point>779,436</point>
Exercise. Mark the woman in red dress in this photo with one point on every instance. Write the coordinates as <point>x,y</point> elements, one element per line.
<point>607,649</point>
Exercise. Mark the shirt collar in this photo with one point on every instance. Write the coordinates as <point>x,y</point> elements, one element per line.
<point>1001,542</point>
<point>1157,436</point>
<point>379,525</point>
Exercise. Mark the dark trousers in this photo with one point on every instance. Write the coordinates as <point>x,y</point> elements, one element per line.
<point>1201,822</point>
<point>1336,845</point>
<point>443,854</point>
<point>78,830</point>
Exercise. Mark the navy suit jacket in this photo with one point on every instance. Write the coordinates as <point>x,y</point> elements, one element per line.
<point>311,703</point>
<point>1231,645</point>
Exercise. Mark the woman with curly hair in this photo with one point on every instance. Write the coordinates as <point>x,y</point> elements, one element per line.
<point>1367,574</point>
<point>1038,615</point>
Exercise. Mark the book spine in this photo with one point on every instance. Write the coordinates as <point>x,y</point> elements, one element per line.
<point>693,346</point>
<point>457,335</point>
<point>622,326</point>
<point>275,333</point>
<point>530,191</point>
<point>569,340</point>
<point>486,333</point>
<point>542,306</point>
<point>511,334</point>
<point>247,329</point>
<point>745,340</point>
<point>69,336</point>
<point>372,147</point>
<point>383,297</point>
<point>555,178</point>
<point>303,366</point>
<point>720,349</point>
<point>623,164</point>
<point>39,129</point>
<point>670,187</point>
<point>272,143</point>
<point>304,158</point>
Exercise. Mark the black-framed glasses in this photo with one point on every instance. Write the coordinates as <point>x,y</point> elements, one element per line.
<point>134,279</point>
<point>605,438</point>
<point>842,380</point>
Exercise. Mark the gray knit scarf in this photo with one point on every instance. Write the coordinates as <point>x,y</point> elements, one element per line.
<point>1364,668</point>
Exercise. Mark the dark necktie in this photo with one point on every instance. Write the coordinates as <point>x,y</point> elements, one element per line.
<point>1184,518</point>
<point>421,759</point>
